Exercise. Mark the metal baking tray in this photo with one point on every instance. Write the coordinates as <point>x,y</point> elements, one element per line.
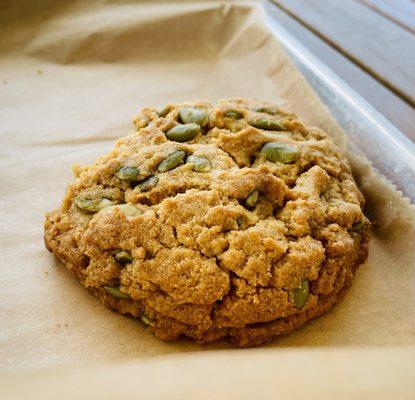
<point>369,133</point>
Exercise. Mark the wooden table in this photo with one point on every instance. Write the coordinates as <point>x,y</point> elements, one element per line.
<point>370,44</point>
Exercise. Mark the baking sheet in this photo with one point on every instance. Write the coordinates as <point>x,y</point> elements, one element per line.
<point>72,75</point>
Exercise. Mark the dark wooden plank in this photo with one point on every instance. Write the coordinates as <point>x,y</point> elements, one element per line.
<point>374,43</point>
<point>401,12</point>
<point>391,106</point>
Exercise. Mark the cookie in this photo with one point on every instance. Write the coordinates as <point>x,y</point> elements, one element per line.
<point>230,221</point>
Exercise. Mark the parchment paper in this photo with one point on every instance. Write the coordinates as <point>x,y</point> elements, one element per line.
<point>72,75</point>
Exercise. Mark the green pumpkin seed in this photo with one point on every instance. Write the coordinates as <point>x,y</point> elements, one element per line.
<point>233,114</point>
<point>200,164</point>
<point>252,199</point>
<point>93,205</point>
<point>148,183</point>
<point>164,111</point>
<point>194,115</point>
<point>147,320</point>
<point>299,295</point>
<point>128,174</point>
<point>268,124</point>
<point>357,226</point>
<point>123,256</point>
<point>127,209</point>
<point>116,292</point>
<point>172,161</point>
<point>183,133</point>
<point>279,152</point>
<point>266,110</point>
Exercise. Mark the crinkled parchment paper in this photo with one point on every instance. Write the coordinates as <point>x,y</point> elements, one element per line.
<point>72,75</point>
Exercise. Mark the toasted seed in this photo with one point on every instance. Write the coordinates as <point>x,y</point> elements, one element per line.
<point>357,226</point>
<point>194,115</point>
<point>266,110</point>
<point>200,164</point>
<point>233,114</point>
<point>123,257</point>
<point>116,292</point>
<point>148,183</point>
<point>183,133</point>
<point>141,121</point>
<point>299,295</point>
<point>93,205</point>
<point>128,174</point>
<point>279,152</point>
<point>147,320</point>
<point>164,111</point>
<point>127,209</point>
<point>268,124</point>
<point>252,199</point>
<point>172,161</point>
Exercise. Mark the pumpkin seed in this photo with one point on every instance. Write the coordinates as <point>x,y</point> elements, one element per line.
<point>116,292</point>
<point>279,152</point>
<point>268,124</point>
<point>164,111</point>
<point>266,110</point>
<point>123,257</point>
<point>194,115</point>
<point>128,174</point>
<point>299,295</point>
<point>252,199</point>
<point>357,226</point>
<point>183,133</point>
<point>172,161</point>
<point>148,183</point>
<point>200,164</point>
<point>233,114</point>
<point>147,320</point>
<point>93,205</point>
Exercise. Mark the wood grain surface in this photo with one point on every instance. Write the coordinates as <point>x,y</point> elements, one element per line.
<point>372,52</point>
<point>402,12</point>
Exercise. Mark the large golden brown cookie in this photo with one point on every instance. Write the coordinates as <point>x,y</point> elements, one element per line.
<point>234,220</point>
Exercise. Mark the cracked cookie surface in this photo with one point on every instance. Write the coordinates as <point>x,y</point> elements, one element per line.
<point>234,220</point>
